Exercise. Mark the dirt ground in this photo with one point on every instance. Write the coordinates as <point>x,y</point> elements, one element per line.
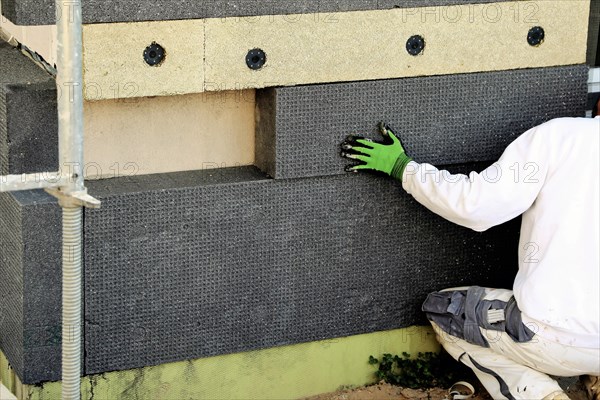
<point>384,391</point>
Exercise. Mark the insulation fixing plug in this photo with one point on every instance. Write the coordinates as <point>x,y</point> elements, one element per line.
<point>256,59</point>
<point>154,54</point>
<point>415,45</point>
<point>536,36</point>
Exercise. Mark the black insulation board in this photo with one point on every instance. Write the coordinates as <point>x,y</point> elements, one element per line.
<point>28,115</point>
<point>441,119</point>
<point>30,284</point>
<point>188,265</point>
<point>11,282</point>
<point>185,265</point>
<point>41,12</point>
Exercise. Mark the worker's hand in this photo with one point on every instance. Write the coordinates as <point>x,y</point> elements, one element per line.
<point>388,157</point>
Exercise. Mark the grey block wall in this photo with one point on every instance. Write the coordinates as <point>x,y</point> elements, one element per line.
<point>441,119</point>
<point>30,283</point>
<point>215,262</point>
<point>28,115</point>
<point>41,12</point>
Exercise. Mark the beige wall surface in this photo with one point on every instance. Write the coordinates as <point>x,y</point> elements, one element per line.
<point>166,134</point>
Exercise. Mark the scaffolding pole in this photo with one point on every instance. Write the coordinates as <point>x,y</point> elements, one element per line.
<point>67,185</point>
<point>70,155</point>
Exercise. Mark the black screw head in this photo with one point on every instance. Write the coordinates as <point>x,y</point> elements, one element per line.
<point>536,36</point>
<point>256,59</point>
<point>415,45</point>
<point>154,54</point>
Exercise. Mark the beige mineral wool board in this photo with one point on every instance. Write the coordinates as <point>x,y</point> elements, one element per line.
<point>114,65</point>
<point>364,45</point>
<point>209,55</point>
<point>166,134</point>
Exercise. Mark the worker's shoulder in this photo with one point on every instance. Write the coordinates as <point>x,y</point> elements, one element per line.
<point>570,126</point>
<point>567,122</point>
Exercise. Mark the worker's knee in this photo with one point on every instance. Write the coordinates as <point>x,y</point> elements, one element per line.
<point>463,312</point>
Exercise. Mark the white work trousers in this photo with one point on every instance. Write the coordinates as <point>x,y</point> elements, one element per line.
<point>511,370</point>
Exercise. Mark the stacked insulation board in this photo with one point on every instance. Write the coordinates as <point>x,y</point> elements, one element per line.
<point>285,248</point>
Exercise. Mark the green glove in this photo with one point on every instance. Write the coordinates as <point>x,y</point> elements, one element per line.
<point>389,157</point>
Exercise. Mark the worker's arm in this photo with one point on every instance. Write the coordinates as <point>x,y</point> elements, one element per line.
<point>482,200</point>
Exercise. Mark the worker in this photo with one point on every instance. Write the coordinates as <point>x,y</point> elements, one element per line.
<point>549,323</point>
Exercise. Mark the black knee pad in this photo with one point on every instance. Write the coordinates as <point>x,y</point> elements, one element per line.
<point>461,313</point>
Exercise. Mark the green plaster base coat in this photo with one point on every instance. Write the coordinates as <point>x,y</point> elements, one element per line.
<point>6,374</point>
<point>288,372</point>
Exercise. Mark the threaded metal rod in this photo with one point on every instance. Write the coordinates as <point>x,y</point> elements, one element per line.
<point>71,302</point>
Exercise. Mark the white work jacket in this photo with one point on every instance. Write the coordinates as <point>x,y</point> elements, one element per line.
<point>550,174</point>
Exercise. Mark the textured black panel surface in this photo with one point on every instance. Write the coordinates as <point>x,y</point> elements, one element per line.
<point>41,12</point>
<point>30,283</point>
<point>236,262</point>
<point>42,280</point>
<point>11,282</point>
<point>440,119</point>
<point>28,115</point>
